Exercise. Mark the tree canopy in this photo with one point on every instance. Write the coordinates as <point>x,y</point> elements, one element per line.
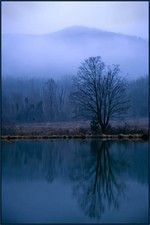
<point>100,91</point>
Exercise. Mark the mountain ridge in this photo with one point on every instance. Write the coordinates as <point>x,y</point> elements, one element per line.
<point>77,29</point>
<point>61,52</point>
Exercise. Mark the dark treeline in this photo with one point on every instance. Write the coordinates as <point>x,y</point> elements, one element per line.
<point>138,92</point>
<point>36,100</point>
<point>27,100</point>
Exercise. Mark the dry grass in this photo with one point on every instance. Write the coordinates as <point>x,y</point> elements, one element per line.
<point>121,130</point>
<point>102,137</point>
<point>57,128</point>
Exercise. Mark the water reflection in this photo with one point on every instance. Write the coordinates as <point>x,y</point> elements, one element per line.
<point>99,181</point>
<point>98,172</point>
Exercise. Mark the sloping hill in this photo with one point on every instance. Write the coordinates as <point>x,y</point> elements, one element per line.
<point>61,52</point>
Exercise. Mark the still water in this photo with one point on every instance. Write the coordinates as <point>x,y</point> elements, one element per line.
<point>70,181</point>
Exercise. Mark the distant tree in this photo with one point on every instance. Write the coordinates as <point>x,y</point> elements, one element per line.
<point>63,104</point>
<point>39,111</point>
<point>31,113</point>
<point>26,100</point>
<point>61,98</point>
<point>138,89</point>
<point>50,90</point>
<point>100,92</point>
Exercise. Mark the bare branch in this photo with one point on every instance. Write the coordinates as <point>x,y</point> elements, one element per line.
<point>100,90</point>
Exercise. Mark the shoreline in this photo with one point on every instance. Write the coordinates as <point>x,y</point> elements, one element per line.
<point>79,136</point>
<point>119,130</point>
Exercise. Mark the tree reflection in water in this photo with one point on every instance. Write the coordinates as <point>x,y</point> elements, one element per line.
<point>96,170</point>
<point>98,181</point>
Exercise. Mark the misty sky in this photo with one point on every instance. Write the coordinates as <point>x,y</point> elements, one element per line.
<point>45,17</point>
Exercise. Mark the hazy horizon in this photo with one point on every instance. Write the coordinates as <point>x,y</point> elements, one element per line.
<point>77,26</point>
<point>53,38</point>
<point>128,18</point>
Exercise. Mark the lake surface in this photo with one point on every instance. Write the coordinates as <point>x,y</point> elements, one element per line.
<point>70,181</point>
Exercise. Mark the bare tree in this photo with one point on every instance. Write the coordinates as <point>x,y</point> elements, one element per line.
<point>100,91</point>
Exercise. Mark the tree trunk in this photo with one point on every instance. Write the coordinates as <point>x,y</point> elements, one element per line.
<point>103,128</point>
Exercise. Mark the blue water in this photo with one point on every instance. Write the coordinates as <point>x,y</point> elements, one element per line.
<point>70,181</point>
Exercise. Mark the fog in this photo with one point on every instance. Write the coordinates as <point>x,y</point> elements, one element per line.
<point>60,53</point>
<point>44,17</point>
<point>48,100</point>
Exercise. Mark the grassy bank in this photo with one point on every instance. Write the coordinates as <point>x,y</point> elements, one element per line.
<point>81,136</point>
<point>131,129</point>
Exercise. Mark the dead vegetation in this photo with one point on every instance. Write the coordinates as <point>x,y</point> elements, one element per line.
<point>81,136</point>
<point>131,129</point>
